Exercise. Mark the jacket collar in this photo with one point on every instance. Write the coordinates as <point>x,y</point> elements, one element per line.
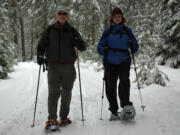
<point>60,27</point>
<point>118,27</point>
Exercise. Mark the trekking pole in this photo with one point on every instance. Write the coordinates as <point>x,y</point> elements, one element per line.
<point>36,96</point>
<point>102,95</point>
<point>80,86</point>
<point>135,69</point>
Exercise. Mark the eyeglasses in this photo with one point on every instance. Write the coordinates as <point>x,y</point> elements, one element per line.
<point>62,13</point>
<point>118,16</point>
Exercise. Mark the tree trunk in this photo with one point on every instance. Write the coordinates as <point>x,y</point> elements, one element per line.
<point>93,30</point>
<point>14,27</point>
<point>22,39</point>
<point>32,42</point>
<point>45,15</point>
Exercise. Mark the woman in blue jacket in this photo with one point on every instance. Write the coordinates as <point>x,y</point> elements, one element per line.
<point>113,46</point>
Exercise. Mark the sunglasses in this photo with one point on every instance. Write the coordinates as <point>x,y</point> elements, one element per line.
<point>62,13</point>
<point>118,16</point>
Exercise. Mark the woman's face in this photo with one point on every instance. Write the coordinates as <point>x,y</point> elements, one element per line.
<point>117,18</point>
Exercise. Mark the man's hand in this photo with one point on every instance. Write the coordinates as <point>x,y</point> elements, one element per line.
<point>40,60</point>
<point>79,43</point>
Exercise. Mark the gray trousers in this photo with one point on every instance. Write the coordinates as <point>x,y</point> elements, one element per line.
<point>60,81</point>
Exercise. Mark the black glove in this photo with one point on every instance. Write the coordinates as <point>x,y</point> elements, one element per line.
<point>79,43</point>
<point>75,42</point>
<point>40,59</point>
<point>131,46</point>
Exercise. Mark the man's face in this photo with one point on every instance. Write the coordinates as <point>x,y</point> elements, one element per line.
<point>61,16</point>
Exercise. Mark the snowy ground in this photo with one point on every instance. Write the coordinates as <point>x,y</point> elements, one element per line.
<point>17,96</point>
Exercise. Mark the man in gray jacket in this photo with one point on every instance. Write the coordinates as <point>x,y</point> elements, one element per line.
<point>58,44</point>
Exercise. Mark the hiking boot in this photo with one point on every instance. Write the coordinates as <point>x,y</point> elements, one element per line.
<point>65,122</point>
<point>52,125</point>
<point>114,116</point>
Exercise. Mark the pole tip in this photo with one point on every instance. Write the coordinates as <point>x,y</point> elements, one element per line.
<point>83,120</point>
<point>143,107</point>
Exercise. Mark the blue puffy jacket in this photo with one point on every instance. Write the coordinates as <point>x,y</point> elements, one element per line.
<point>117,39</point>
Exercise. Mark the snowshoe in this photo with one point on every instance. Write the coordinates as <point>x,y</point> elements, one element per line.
<point>114,116</point>
<point>65,122</point>
<point>128,113</point>
<point>52,125</point>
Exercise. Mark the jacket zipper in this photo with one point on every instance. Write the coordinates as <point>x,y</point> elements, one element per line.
<point>60,33</point>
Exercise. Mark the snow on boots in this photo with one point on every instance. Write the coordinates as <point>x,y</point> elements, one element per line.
<point>128,113</point>
<point>114,116</point>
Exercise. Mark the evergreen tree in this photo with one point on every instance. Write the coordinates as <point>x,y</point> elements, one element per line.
<point>169,49</point>
<point>144,22</point>
<point>6,42</point>
<point>28,19</point>
<point>86,18</point>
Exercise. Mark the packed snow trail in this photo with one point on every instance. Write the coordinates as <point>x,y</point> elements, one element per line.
<point>17,97</point>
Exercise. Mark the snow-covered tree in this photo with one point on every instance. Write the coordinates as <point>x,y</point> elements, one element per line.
<point>169,49</point>
<point>28,19</point>
<point>145,28</point>
<point>144,22</point>
<point>6,42</point>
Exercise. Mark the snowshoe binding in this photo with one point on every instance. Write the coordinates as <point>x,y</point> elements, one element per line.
<point>128,113</point>
<point>52,125</point>
<point>65,122</point>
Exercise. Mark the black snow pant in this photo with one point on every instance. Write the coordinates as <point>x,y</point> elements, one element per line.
<point>113,72</point>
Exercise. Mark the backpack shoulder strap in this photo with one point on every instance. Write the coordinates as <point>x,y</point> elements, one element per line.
<point>126,29</point>
<point>109,31</point>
